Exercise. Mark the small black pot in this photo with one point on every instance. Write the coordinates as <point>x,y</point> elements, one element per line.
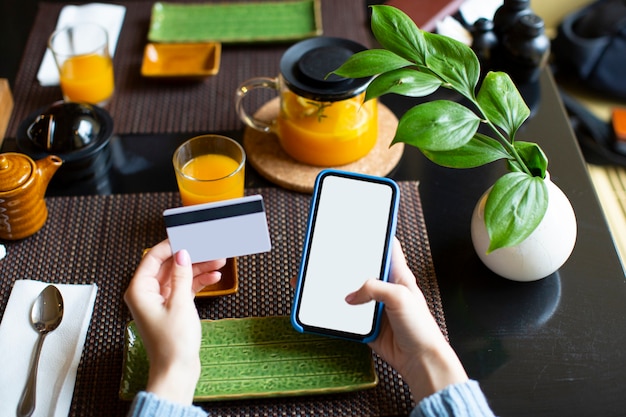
<point>78,133</point>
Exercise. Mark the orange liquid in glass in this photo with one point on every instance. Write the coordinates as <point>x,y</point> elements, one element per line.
<point>214,179</point>
<point>87,78</point>
<point>327,133</point>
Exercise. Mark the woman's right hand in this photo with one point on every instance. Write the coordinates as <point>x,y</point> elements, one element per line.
<point>410,339</point>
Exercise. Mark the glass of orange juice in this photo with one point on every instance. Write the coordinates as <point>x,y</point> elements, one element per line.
<point>209,168</point>
<point>81,52</point>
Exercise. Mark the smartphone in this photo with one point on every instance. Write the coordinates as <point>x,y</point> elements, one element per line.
<point>351,225</point>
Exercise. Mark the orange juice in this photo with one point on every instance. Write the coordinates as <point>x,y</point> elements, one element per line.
<point>87,78</point>
<point>210,177</point>
<point>327,133</point>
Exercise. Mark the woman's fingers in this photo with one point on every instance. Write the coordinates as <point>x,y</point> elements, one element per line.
<point>205,279</point>
<point>390,294</point>
<point>400,272</point>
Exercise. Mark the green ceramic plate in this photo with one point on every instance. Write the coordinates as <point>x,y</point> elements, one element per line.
<point>235,22</point>
<point>261,357</point>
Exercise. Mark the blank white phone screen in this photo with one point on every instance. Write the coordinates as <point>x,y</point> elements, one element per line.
<point>347,248</point>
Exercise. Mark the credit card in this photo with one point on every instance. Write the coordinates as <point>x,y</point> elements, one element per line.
<point>223,229</point>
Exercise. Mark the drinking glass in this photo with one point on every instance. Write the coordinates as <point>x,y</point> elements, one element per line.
<point>81,52</point>
<point>209,168</point>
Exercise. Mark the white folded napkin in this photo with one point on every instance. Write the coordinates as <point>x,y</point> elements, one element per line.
<point>109,16</point>
<point>60,353</point>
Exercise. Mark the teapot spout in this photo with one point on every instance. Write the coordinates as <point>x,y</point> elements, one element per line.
<point>46,168</point>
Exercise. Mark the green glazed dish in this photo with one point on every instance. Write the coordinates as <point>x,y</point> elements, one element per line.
<point>235,22</point>
<point>261,357</point>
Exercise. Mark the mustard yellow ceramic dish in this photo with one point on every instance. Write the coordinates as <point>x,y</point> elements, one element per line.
<point>181,60</point>
<point>229,284</point>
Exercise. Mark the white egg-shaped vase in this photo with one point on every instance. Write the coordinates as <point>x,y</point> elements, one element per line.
<point>539,255</point>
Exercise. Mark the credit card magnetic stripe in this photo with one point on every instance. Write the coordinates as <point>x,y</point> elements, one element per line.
<point>214,213</point>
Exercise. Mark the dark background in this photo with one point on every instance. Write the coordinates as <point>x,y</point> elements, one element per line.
<point>16,19</point>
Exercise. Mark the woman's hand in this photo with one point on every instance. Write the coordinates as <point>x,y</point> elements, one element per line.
<point>410,339</point>
<point>161,299</point>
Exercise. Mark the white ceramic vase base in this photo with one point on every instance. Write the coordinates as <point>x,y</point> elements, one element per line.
<point>542,253</point>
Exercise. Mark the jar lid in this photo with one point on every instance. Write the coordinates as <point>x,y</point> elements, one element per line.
<point>65,127</point>
<point>78,131</point>
<point>15,170</point>
<point>306,65</point>
<point>529,25</point>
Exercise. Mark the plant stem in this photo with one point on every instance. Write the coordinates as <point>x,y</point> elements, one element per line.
<point>508,145</point>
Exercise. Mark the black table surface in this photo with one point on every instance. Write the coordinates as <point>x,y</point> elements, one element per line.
<point>547,348</point>
<point>552,347</point>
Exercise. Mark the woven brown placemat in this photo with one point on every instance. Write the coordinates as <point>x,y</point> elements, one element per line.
<point>100,239</point>
<point>142,105</point>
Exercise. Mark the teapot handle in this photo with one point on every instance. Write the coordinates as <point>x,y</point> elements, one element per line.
<point>245,88</point>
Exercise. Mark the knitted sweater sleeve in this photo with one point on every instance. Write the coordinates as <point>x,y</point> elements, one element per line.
<point>458,400</point>
<point>147,404</point>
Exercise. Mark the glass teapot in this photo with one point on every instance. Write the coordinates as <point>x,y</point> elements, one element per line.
<point>322,119</point>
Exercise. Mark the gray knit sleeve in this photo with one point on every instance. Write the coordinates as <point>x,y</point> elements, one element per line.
<point>147,404</point>
<point>458,400</point>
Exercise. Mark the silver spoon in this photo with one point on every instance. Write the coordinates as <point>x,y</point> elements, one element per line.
<point>46,315</point>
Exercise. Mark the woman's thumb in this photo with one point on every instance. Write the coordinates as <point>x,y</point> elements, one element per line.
<point>182,276</point>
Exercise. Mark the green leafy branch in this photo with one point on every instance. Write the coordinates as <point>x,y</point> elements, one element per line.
<point>416,63</point>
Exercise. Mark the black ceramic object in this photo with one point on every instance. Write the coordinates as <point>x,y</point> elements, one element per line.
<point>506,15</point>
<point>65,128</point>
<point>78,133</point>
<point>526,49</point>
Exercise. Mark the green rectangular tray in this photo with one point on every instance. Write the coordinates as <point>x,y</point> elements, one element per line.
<point>261,357</point>
<point>235,22</point>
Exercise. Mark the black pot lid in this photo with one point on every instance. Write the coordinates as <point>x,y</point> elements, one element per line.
<point>305,65</point>
<point>79,131</point>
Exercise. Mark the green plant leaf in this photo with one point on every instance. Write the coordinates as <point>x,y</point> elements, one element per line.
<point>371,62</point>
<point>515,206</point>
<point>403,81</point>
<point>396,32</point>
<point>439,125</point>
<point>502,103</point>
<point>514,166</point>
<point>480,150</point>
<point>416,63</point>
<point>454,62</point>
<point>534,158</point>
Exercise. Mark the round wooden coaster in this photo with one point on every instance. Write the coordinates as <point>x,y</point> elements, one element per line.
<point>267,156</point>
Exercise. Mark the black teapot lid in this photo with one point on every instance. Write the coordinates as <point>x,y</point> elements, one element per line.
<point>72,131</point>
<point>65,127</point>
<point>306,65</point>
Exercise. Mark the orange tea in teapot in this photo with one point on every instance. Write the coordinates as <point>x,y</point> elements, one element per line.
<point>322,118</point>
<point>327,133</point>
